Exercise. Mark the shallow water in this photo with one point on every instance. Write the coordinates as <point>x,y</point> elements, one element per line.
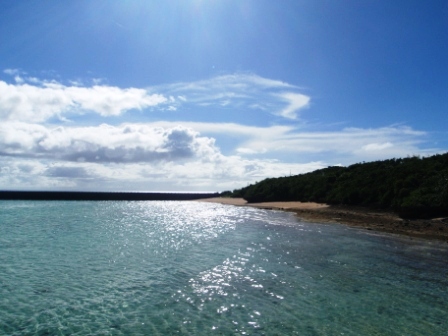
<point>161,268</point>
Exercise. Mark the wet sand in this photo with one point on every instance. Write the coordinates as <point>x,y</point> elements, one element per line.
<point>368,219</point>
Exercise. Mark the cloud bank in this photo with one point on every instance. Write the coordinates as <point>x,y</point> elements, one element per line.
<point>27,102</point>
<point>239,91</point>
<point>80,137</point>
<point>104,143</point>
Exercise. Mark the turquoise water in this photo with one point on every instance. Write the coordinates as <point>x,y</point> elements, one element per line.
<point>190,268</point>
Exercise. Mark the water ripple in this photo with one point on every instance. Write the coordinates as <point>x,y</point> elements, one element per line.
<point>190,268</point>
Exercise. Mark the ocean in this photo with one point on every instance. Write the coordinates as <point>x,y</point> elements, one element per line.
<point>192,268</point>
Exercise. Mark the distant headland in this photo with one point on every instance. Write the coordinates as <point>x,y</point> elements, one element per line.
<point>412,187</point>
<point>101,196</point>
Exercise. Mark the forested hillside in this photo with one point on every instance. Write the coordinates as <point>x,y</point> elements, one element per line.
<point>412,187</point>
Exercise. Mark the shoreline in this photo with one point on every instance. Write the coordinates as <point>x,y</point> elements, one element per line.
<point>368,219</point>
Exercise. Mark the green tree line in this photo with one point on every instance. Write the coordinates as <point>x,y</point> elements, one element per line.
<point>413,187</point>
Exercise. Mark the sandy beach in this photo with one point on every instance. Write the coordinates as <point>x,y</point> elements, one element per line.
<point>368,219</point>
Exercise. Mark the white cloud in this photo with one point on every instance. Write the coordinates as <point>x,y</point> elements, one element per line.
<point>240,91</point>
<point>229,129</point>
<point>130,157</point>
<point>355,144</point>
<point>222,173</point>
<point>32,102</point>
<point>169,156</point>
<point>238,82</point>
<point>250,151</point>
<point>33,99</point>
<point>377,146</point>
<point>152,157</point>
<point>296,101</point>
<point>12,72</point>
<point>104,143</point>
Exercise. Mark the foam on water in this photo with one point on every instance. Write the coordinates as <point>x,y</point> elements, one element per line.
<point>158,268</point>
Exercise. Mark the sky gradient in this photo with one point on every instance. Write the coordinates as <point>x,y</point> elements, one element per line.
<point>211,95</point>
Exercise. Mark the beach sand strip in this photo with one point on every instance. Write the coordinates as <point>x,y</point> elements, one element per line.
<point>368,219</point>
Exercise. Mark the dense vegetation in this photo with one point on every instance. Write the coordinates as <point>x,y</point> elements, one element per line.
<point>413,187</point>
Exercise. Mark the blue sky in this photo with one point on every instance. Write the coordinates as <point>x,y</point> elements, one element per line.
<point>215,94</point>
